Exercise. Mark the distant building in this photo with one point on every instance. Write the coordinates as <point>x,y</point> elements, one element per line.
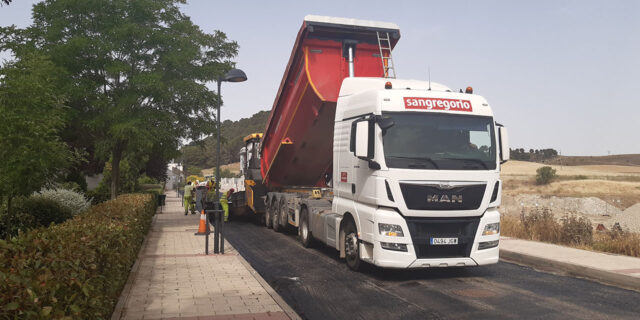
<point>174,175</point>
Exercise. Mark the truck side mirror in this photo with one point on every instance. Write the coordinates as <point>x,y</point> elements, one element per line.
<point>363,144</point>
<point>385,123</point>
<point>362,140</point>
<point>503,137</point>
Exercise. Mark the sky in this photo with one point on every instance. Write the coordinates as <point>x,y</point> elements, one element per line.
<point>558,74</point>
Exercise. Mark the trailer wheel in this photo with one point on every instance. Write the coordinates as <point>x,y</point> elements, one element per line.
<point>268,213</point>
<point>275,222</point>
<point>304,232</point>
<point>351,246</point>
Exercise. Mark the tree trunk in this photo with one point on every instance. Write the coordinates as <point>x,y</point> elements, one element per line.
<point>115,169</point>
<point>9,205</point>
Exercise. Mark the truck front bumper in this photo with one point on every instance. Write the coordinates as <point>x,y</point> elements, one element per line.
<point>417,254</point>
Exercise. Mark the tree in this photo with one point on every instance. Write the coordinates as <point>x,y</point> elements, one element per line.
<point>544,175</point>
<point>135,71</point>
<point>32,154</point>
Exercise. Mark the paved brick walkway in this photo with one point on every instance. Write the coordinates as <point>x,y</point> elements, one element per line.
<point>174,279</point>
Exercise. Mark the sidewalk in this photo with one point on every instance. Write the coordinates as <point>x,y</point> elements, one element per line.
<point>617,270</point>
<point>174,279</point>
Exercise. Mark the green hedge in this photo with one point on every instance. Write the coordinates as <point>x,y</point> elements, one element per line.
<point>31,212</point>
<point>75,269</point>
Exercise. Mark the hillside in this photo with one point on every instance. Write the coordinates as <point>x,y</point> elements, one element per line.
<point>232,134</point>
<point>618,159</point>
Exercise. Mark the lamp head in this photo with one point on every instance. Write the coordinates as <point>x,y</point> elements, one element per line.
<point>235,75</point>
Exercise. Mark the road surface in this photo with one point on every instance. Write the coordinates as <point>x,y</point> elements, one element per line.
<point>318,285</point>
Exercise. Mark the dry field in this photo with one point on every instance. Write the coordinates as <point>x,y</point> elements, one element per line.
<point>603,194</point>
<point>617,185</point>
<point>525,168</point>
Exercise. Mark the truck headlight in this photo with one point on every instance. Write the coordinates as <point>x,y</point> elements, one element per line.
<point>491,229</point>
<point>394,246</point>
<point>391,230</point>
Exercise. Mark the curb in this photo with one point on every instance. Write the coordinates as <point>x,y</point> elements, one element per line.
<point>553,266</point>
<point>124,294</point>
<point>278,299</point>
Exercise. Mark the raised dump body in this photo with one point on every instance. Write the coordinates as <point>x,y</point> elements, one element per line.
<point>297,147</point>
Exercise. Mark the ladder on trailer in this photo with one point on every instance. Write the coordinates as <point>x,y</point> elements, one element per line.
<point>384,43</point>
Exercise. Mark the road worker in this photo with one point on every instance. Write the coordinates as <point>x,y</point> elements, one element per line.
<point>187,198</point>
<point>225,205</point>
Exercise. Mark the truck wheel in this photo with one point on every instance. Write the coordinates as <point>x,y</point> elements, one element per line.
<point>306,238</point>
<point>283,215</point>
<point>268,214</point>
<point>351,246</point>
<point>275,214</point>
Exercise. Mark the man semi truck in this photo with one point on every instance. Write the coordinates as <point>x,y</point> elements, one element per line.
<point>397,173</point>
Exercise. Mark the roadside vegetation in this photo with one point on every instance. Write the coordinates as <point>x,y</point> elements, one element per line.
<point>75,269</point>
<point>105,87</point>
<point>116,93</point>
<point>544,175</point>
<point>570,230</point>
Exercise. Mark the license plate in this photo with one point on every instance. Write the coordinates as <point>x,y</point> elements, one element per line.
<point>444,241</point>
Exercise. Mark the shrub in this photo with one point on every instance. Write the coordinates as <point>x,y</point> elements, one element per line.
<point>73,201</point>
<point>541,225</point>
<point>98,195</point>
<point>626,243</point>
<point>144,179</point>
<point>44,211</point>
<point>576,230</point>
<point>11,224</point>
<point>193,178</point>
<point>75,269</point>
<point>544,175</point>
<point>145,187</point>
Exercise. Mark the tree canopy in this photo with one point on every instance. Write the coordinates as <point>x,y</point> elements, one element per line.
<point>134,73</point>
<point>32,154</point>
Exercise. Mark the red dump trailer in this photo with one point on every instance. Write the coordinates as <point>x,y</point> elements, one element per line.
<point>396,173</point>
<point>297,144</point>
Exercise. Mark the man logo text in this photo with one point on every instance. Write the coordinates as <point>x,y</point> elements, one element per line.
<point>444,198</point>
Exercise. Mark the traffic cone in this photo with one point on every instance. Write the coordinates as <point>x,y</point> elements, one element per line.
<point>202,229</point>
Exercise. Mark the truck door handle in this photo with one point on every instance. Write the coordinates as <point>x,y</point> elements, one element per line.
<point>353,188</point>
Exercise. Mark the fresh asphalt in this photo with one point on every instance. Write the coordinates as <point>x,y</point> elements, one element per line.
<point>317,284</point>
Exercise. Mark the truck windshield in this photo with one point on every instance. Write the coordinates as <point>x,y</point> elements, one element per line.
<point>439,141</point>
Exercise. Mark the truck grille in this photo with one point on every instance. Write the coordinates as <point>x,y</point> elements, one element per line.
<point>428,197</point>
<point>423,229</point>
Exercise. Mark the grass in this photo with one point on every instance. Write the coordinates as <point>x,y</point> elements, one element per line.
<point>573,231</point>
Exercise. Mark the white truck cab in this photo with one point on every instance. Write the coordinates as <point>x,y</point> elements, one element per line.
<point>416,168</point>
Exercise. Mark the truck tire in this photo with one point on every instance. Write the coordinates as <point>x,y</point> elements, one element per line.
<point>283,215</point>
<point>351,246</point>
<point>304,232</point>
<point>275,214</point>
<point>268,213</point>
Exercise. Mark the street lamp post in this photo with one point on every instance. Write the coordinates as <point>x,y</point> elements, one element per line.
<point>234,75</point>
